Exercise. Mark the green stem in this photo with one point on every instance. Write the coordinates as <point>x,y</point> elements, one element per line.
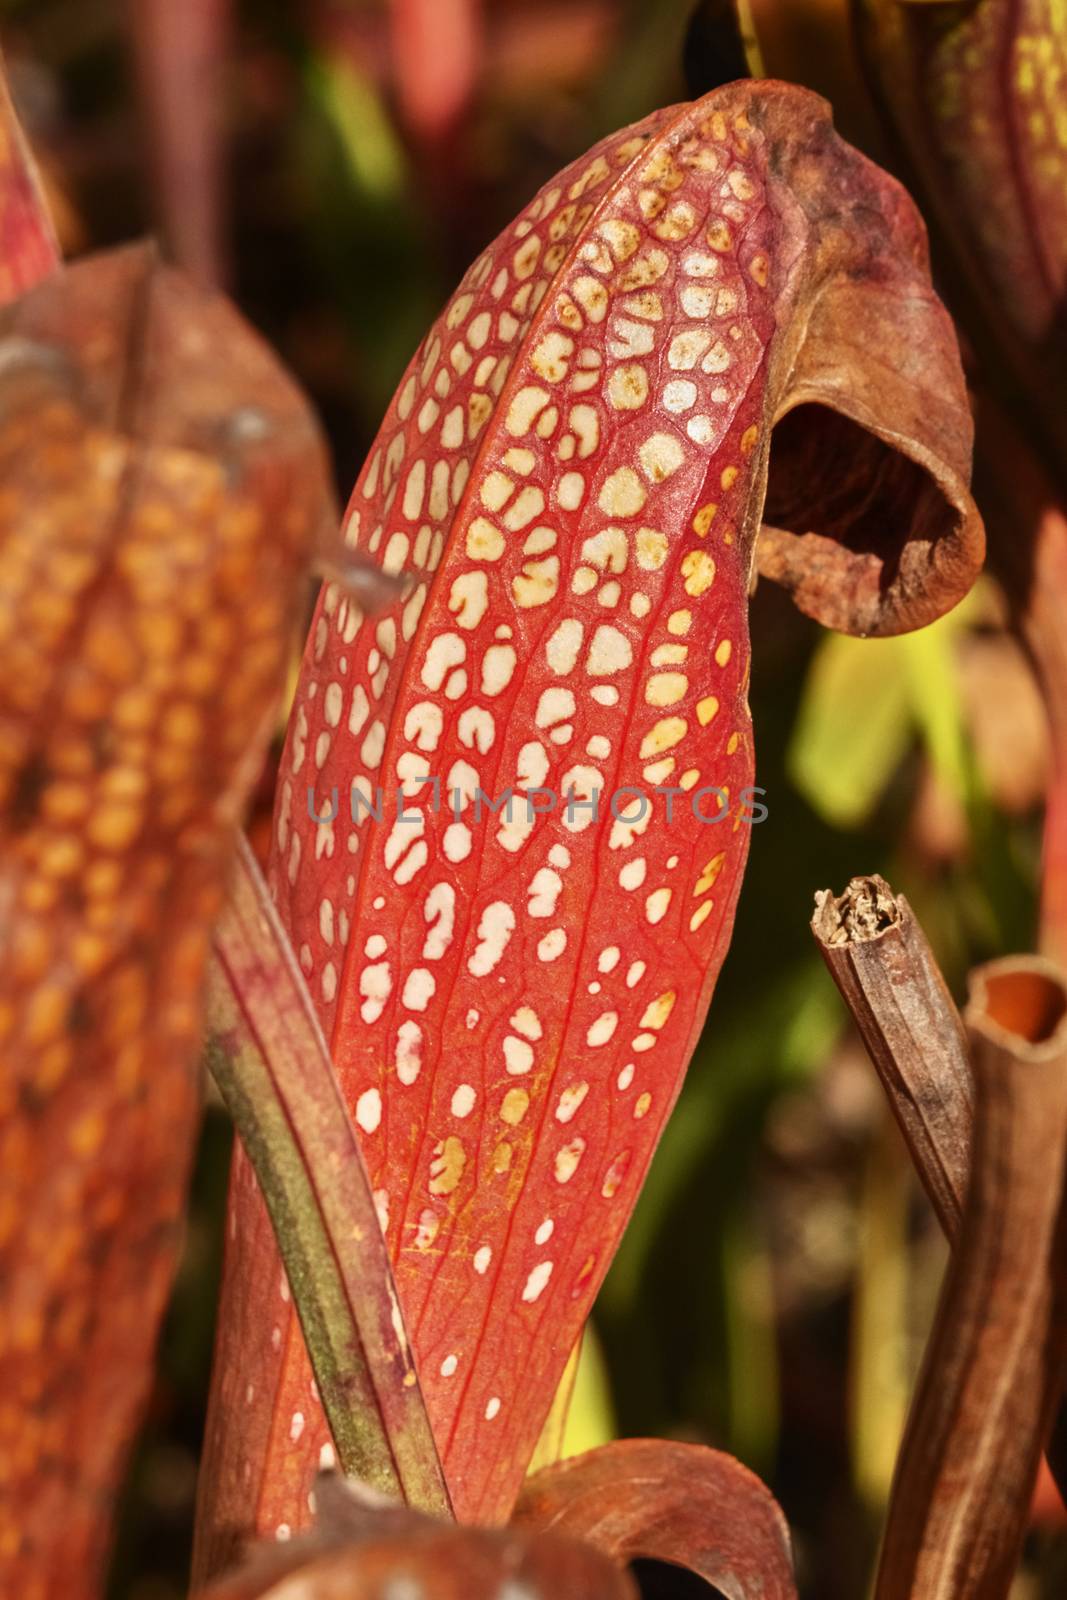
<point>271,1063</point>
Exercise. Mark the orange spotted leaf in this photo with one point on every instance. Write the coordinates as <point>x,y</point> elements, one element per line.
<point>162,481</point>
<point>573,474</point>
<point>678,1503</point>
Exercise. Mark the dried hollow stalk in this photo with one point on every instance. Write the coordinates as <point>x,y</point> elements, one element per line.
<point>993,1369</point>
<point>180,55</point>
<point>880,960</point>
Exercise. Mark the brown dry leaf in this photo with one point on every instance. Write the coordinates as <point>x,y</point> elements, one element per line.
<point>365,1549</point>
<point>162,481</point>
<point>679,1503</point>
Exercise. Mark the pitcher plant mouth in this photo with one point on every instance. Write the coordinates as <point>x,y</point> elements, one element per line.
<point>867,537</point>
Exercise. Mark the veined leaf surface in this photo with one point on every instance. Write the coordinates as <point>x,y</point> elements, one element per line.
<point>573,473</point>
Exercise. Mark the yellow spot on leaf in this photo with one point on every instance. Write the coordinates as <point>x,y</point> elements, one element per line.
<point>661,455</point>
<point>657,1012</point>
<point>666,733</point>
<point>707,878</point>
<point>698,570</point>
<point>513,1108</point>
<point>628,387</point>
<point>446,1168</point>
<point>484,541</point>
<point>622,495</point>
<point>665,688</point>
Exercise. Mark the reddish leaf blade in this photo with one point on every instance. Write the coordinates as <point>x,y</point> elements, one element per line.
<point>573,472</point>
<point>364,1550</point>
<point>270,1060</point>
<point>28,249</point>
<point>1044,627</point>
<point>976,106</point>
<point>181,57</point>
<point>1028,530</point>
<point>679,1503</point>
<point>148,441</point>
<point>436,45</point>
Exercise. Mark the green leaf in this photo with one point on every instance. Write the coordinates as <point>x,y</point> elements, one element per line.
<point>853,727</point>
<point>591,1417</point>
<point>865,701</point>
<point>270,1061</point>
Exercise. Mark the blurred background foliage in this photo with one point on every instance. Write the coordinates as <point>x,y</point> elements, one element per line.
<point>337,164</point>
